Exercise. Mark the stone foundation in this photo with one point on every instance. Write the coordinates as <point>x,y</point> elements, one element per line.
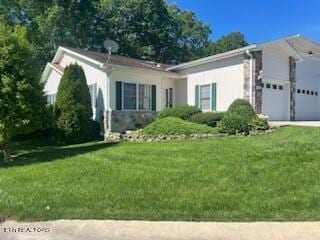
<point>292,79</point>
<point>122,121</point>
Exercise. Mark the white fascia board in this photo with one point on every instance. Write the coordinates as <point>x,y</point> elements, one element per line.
<point>57,70</point>
<point>213,58</point>
<point>45,73</point>
<point>142,70</point>
<point>47,70</point>
<point>263,44</point>
<point>285,45</point>
<point>62,49</point>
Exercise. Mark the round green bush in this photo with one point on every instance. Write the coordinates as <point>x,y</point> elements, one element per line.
<point>209,118</point>
<point>183,112</point>
<point>238,118</point>
<point>175,126</point>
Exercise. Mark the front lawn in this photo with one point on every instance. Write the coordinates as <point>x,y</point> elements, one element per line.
<point>266,177</point>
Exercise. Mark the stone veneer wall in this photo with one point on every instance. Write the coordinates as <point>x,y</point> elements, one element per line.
<point>246,84</point>
<point>292,79</point>
<point>256,81</point>
<point>128,120</point>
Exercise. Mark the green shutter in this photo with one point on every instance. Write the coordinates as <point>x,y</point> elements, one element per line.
<point>118,95</point>
<point>196,100</point>
<point>154,98</point>
<point>214,97</point>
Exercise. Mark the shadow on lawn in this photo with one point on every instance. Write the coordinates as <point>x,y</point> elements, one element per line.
<point>51,153</point>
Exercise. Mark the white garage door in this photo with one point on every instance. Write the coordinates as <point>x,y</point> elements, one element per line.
<point>275,101</point>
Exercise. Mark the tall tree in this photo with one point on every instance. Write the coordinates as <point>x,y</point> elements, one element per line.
<point>192,35</point>
<point>51,23</point>
<point>154,30</point>
<point>73,106</point>
<point>21,100</point>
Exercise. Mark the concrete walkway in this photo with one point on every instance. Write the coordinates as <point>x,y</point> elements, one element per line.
<point>142,230</point>
<point>295,123</point>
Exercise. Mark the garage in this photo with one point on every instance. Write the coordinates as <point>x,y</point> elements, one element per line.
<point>275,101</point>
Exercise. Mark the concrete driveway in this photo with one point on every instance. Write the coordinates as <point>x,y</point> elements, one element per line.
<point>295,123</point>
<point>143,230</point>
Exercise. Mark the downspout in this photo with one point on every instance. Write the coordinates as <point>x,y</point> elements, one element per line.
<point>251,78</point>
<point>108,71</point>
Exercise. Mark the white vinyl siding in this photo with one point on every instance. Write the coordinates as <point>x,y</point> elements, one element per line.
<point>93,94</point>
<point>275,63</point>
<point>227,74</point>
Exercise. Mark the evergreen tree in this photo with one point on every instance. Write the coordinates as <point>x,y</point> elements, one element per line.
<point>73,106</point>
<point>22,104</point>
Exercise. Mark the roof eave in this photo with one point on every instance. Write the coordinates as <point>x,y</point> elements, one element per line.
<point>161,72</point>
<point>213,58</point>
<point>46,71</point>
<point>284,43</point>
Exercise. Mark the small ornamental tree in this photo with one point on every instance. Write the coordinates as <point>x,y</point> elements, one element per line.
<point>22,104</point>
<point>73,107</point>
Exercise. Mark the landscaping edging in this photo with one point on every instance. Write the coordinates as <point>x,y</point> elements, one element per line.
<point>134,136</point>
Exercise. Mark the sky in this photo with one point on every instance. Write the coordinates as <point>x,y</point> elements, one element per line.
<point>259,21</point>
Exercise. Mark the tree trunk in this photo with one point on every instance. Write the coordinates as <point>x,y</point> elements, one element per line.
<point>5,152</point>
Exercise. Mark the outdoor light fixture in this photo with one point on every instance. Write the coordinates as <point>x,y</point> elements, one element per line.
<point>310,53</point>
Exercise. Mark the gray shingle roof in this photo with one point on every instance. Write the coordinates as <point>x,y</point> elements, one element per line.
<point>120,60</point>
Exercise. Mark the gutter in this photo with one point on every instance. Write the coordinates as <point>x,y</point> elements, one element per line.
<point>212,58</point>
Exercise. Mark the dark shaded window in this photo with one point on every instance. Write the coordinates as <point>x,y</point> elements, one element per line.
<point>303,91</point>
<point>129,96</point>
<point>311,92</point>
<point>274,86</point>
<point>316,93</point>
<point>268,85</point>
<point>280,87</point>
<point>308,92</point>
<point>262,85</point>
<point>298,91</point>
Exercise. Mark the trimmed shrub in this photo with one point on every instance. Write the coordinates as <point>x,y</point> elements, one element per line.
<point>209,118</point>
<point>238,118</point>
<point>259,124</point>
<point>73,108</point>
<point>183,112</point>
<point>175,126</point>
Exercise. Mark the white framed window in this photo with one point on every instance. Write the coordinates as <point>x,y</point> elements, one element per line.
<point>129,96</point>
<point>93,94</point>
<point>51,99</point>
<point>144,97</point>
<point>205,97</point>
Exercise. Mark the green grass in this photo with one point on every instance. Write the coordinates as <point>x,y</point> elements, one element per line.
<point>175,126</point>
<point>266,177</point>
